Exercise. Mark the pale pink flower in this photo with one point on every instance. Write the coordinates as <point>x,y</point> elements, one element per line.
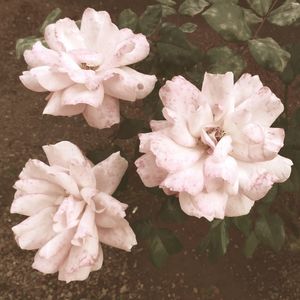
<point>86,69</point>
<point>215,149</point>
<point>70,211</point>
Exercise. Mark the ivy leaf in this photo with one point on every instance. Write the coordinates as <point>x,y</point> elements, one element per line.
<point>250,17</point>
<point>167,2</point>
<point>192,7</point>
<point>168,11</point>
<point>243,224</point>
<point>286,14</point>
<point>26,43</point>
<point>223,59</point>
<point>171,211</point>
<point>51,18</point>
<point>128,19</point>
<point>261,7</point>
<point>251,244</point>
<point>150,19</point>
<point>269,230</point>
<point>162,244</point>
<point>188,27</point>
<point>228,20</point>
<point>269,54</point>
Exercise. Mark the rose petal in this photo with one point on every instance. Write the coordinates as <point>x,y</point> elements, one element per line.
<point>238,206</point>
<point>30,81</point>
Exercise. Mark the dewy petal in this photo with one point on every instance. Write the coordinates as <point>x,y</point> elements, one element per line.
<point>31,204</point>
<point>149,172</point>
<point>39,55</point>
<point>171,156</point>
<point>264,107</point>
<point>121,237</point>
<point>245,87</point>
<point>238,205</point>
<point>105,115</point>
<point>79,94</point>
<point>30,81</point>
<point>54,107</point>
<point>50,80</point>
<point>64,35</point>
<point>217,91</point>
<point>36,230</point>
<point>99,33</point>
<point>180,96</point>
<point>63,154</point>
<point>208,205</point>
<point>189,180</point>
<point>109,173</point>
<point>127,84</point>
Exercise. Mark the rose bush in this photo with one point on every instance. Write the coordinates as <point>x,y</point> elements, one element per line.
<point>70,210</point>
<point>85,68</point>
<point>216,148</point>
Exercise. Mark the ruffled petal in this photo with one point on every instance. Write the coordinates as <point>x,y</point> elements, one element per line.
<point>149,172</point>
<point>30,81</point>
<point>64,35</point>
<point>238,206</point>
<point>54,107</point>
<point>109,173</point>
<point>105,115</point>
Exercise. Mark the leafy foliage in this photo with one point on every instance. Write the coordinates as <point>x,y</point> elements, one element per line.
<point>150,19</point>
<point>128,19</point>
<point>51,18</point>
<point>192,7</point>
<point>261,7</point>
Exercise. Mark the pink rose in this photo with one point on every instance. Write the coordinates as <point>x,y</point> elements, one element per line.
<point>70,210</point>
<point>215,149</point>
<point>86,69</point>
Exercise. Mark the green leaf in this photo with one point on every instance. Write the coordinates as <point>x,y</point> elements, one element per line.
<point>162,244</point>
<point>51,18</point>
<point>269,54</point>
<point>171,211</point>
<point>204,244</point>
<point>261,7</point>
<point>128,19</point>
<point>223,1</point>
<point>228,20</point>
<point>188,27</point>
<point>143,229</point>
<point>243,224</point>
<point>251,244</point>
<point>150,19</point>
<point>269,230</point>
<point>223,59</point>
<point>250,17</point>
<point>219,239</point>
<point>286,14</point>
<point>26,43</point>
<point>168,11</point>
<point>192,7</point>
<point>167,2</point>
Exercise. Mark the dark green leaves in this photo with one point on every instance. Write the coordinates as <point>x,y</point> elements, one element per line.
<point>51,18</point>
<point>167,2</point>
<point>192,7</point>
<point>261,7</point>
<point>243,223</point>
<point>228,20</point>
<point>171,211</point>
<point>128,19</point>
<point>286,14</point>
<point>150,19</point>
<point>223,59</point>
<point>269,54</point>
<point>269,230</point>
<point>251,244</point>
<point>26,43</point>
<point>188,27</point>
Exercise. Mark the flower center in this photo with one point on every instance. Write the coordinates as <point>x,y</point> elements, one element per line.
<point>85,66</point>
<point>216,133</point>
<point>210,137</point>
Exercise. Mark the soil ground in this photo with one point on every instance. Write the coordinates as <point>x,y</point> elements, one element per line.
<point>187,275</point>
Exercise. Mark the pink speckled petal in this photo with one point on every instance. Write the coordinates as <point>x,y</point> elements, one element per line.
<point>208,205</point>
<point>105,115</point>
<point>109,173</point>
<point>180,96</point>
<point>150,173</point>
<point>64,35</point>
<point>238,205</point>
<point>54,107</point>
<point>39,55</point>
<point>79,94</point>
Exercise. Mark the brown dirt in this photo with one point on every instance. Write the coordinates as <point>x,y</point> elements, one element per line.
<point>187,275</point>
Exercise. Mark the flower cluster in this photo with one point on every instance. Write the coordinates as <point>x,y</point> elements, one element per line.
<point>86,69</point>
<point>70,210</point>
<point>215,149</point>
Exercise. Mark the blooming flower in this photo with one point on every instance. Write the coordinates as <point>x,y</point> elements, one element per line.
<point>70,210</point>
<point>86,69</point>
<point>215,149</point>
